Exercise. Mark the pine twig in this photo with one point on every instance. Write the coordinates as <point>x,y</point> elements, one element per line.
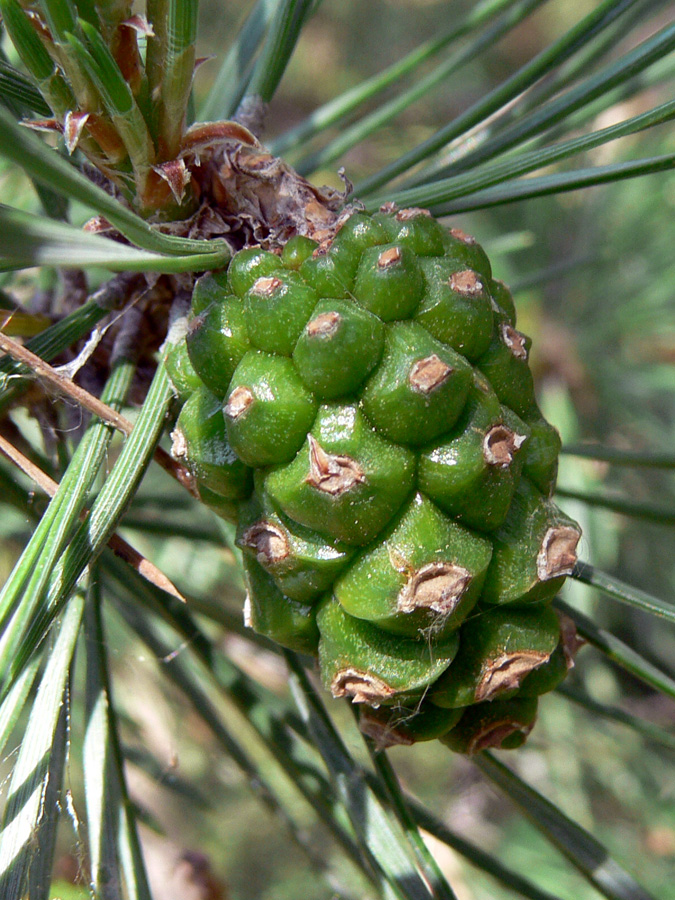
<point>64,385</point>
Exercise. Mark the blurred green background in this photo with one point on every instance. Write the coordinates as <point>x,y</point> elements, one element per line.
<point>594,278</point>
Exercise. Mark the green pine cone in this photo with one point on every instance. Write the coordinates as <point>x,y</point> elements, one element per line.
<point>364,409</point>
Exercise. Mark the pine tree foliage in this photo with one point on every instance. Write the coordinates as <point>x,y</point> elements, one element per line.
<point>126,179</point>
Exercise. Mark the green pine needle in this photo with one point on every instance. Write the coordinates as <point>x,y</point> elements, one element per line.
<point>554,55</point>
<point>40,760</point>
<point>618,652</point>
<point>583,851</point>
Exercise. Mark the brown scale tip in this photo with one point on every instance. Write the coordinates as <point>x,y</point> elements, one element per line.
<point>389,257</point>
<point>500,444</point>
<point>382,731</point>
<point>558,553</point>
<point>438,586</point>
<point>239,402</point>
<point>494,734</point>
<point>389,207</point>
<point>332,474</point>
<point>325,325</point>
<point>429,374</point>
<point>506,673</point>
<point>413,212</point>
<point>515,341</point>
<point>266,286</point>
<point>462,236</point>
<point>362,687</point>
<point>269,542</point>
<point>466,282</point>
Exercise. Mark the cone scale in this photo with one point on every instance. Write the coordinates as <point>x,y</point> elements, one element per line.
<point>370,401</point>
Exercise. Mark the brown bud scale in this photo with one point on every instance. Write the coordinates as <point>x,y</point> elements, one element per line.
<point>73,124</point>
<point>176,175</point>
